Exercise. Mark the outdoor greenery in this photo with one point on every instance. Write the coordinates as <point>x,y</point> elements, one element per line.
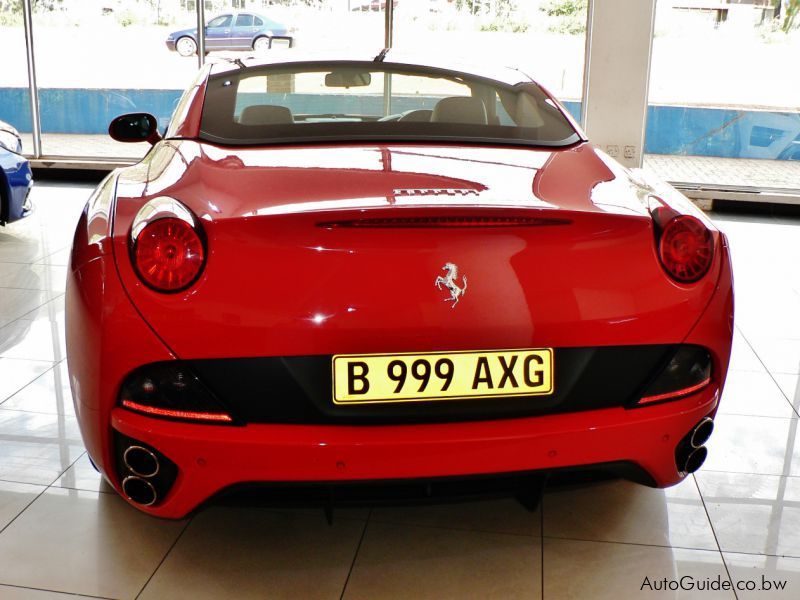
<point>505,25</point>
<point>503,14</point>
<point>11,10</point>
<point>15,6</point>
<point>791,20</point>
<point>570,15</point>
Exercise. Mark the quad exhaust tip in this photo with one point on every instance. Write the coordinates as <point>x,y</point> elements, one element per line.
<point>702,432</point>
<point>691,452</point>
<point>141,461</point>
<point>695,459</point>
<point>139,490</point>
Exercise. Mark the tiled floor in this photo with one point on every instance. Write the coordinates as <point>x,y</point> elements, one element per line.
<point>64,533</point>
<point>729,172</point>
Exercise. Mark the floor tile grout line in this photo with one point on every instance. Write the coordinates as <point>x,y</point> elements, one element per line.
<point>53,366</point>
<point>83,489</point>
<point>39,495</point>
<point>541,540</point>
<point>736,414</point>
<point>640,544</point>
<point>36,262</point>
<point>17,516</point>
<point>52,362</point>
<point>34,412</point>
<point>27,587</point>
<point>355,555</point>
<point>730,577</point>
<point>31,289</point>
<point>61,474</point>
<point>37,307</point>
<point>3,480</point>
<point>189,521</point>
<point>794,416</point>
<point>714,533</point>
<point>57,292</point>
<point>751,473</point>
<point>743,553</point>
<point>771,376</point>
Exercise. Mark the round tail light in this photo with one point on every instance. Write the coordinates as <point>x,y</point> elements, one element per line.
<point>168,254</point>
<point>686,248</point>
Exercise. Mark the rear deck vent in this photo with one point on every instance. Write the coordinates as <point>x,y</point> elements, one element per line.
<point>444,222</point>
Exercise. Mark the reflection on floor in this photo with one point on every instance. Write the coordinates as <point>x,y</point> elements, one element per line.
<point>63,530</point>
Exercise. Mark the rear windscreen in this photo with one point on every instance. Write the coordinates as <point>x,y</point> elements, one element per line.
<point>365,101</point>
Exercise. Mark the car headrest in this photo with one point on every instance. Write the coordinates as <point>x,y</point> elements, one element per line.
<point>460,109</point>
<point>266,114</point>
<point>422,115</point>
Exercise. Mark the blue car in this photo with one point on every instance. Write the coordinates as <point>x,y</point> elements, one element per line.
<point>15,176</point>
<point>232,31</point>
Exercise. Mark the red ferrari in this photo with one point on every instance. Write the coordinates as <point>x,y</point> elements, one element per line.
<point>342,271</point>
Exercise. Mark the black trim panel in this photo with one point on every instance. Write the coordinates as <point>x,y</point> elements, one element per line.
<point>394,492</point>
<point>297,389</point>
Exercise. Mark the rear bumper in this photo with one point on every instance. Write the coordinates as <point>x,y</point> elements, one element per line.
<point>211,458</point>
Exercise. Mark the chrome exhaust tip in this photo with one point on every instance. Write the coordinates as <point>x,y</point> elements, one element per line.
<point>695,460</point>
<point>141,461</point>
<point>139,490</point>
<point>702,432</point>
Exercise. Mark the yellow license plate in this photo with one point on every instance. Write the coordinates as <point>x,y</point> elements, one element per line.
<point>382,378</point>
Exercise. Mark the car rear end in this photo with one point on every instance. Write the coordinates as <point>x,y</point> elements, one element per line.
<point>232,379</point>
<point>396,311</point>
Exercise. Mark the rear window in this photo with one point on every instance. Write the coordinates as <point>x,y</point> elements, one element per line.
<point>367,101</point>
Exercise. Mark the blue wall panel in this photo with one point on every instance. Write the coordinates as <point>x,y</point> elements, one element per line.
<point>670,129</point>
<point>574,109</point>
<point>83,111</point>
<point>723,132</point>
<point>15,108</point>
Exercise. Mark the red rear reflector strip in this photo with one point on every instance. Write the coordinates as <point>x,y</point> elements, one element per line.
<point>442,222</point>
<point>177,414</point>
<point>676,393</point>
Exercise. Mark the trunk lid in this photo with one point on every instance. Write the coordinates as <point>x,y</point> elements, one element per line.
<point>322,250</point>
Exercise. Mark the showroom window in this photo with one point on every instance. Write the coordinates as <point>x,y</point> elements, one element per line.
<point>15,105</point>
<point>724,106</point>
<point>292,24</point>
<point>95,62</point>
<point>544,38</point>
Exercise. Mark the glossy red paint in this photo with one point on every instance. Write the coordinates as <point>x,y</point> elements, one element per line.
<point>531,272</point>
<point>278,282</point>
<point>213,458</point>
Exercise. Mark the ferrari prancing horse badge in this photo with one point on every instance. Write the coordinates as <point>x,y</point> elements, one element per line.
<point>449,281</point>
